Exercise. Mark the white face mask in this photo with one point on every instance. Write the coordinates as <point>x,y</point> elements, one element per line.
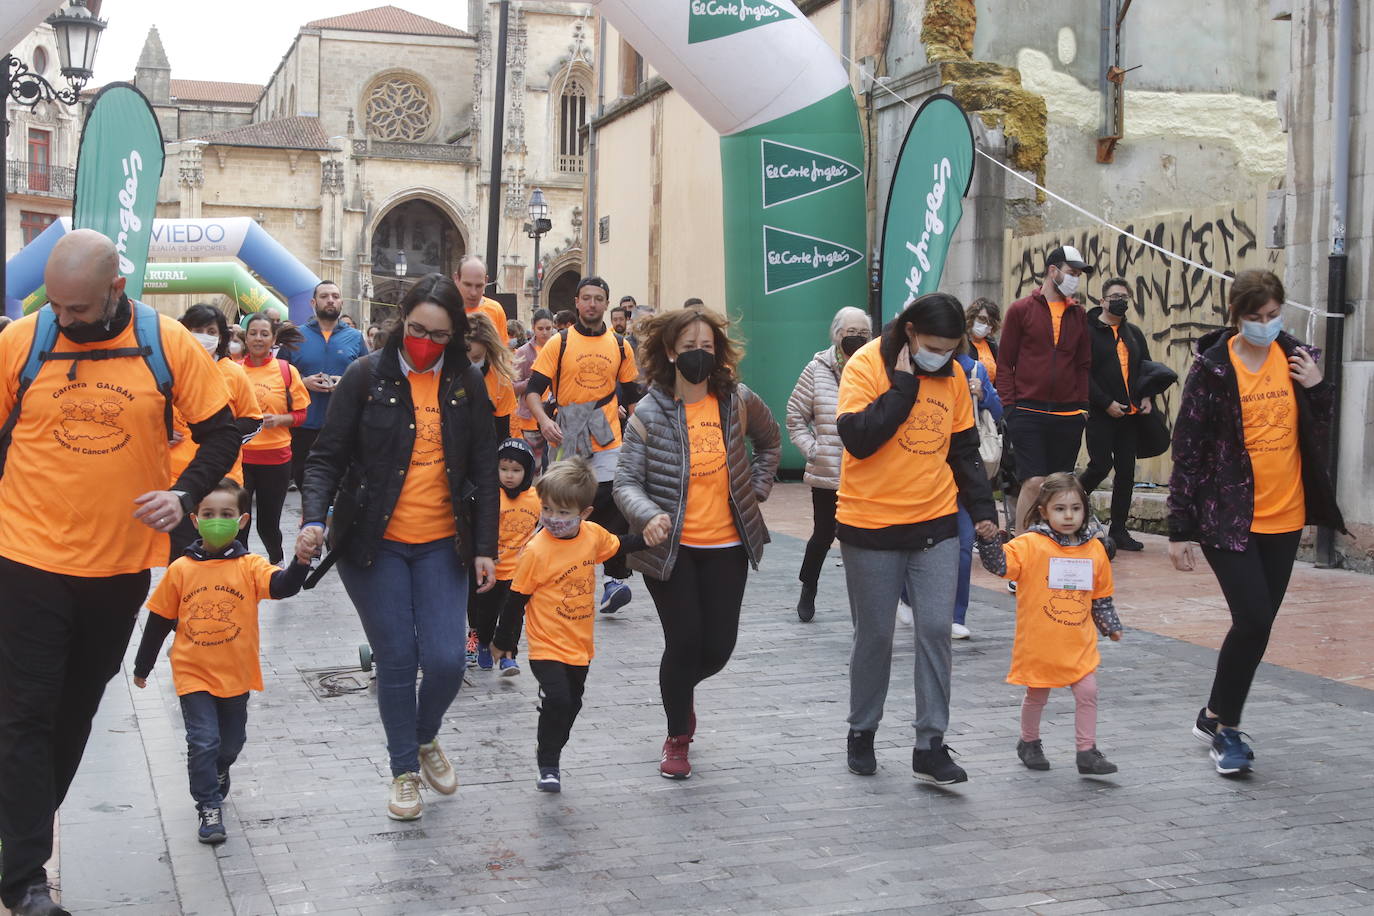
<point>930,361</point>
<point>209,341</point>
<point>1068,283</point>
<point>235,348</point>
<point>981,329</point>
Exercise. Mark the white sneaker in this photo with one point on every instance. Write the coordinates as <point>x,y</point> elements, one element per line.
<point>958,631</point>
<point>904,613</point>
<point>405,804</point>
<point>438,772</point>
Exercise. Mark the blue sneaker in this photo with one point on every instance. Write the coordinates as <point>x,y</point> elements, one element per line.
<point>1230,752</point>
<point>509,667</point>
<point>484,657</point>
<point>615,597</point>
<point>211,826</point>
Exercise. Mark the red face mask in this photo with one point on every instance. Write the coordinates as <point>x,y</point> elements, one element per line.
<point>422,351</point>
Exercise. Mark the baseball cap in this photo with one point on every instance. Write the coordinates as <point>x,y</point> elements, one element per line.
<point>1067,254</point>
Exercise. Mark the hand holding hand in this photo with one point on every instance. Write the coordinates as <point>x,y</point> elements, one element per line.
<point>1304,369</point>
<point>986,530</point>
<point>658,529</point>
<point>308,543</point>
<point>160,510</point>
<point>1182,555</point>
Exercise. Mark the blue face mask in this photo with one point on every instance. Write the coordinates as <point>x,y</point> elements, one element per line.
<point>1261,333</point>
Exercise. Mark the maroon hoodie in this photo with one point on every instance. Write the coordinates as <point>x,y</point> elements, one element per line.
<point>1035,372</point>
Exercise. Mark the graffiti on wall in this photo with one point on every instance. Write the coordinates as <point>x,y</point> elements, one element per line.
<point>1173,303</point>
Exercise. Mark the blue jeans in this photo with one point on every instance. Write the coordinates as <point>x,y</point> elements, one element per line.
<point>413,603</point>
<point>965,563</point>
<point>216,728</point>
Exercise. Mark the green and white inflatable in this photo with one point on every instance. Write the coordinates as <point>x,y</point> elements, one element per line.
<point>792,161</point>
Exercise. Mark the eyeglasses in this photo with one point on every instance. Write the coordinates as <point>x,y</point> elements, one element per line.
<point>439,337</point>
<point>1121,298</point>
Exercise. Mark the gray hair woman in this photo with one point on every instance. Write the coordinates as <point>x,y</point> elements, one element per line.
<point>811,427</point>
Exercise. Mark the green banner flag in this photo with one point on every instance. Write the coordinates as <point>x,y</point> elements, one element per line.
<point>933,173</point>
<point>117,173</point>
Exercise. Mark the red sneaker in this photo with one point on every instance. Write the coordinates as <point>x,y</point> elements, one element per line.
<point>674,764</point>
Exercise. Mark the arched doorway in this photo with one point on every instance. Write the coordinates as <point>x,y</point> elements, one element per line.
<point>563,290</point>
<point>430,240</point>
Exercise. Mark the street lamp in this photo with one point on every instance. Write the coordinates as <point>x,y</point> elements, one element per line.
<point>538,226</point>
<point>401,266</point>
<point>78,36</point>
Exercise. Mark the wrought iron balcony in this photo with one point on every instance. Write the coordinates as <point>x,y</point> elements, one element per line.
<point>39,178</point>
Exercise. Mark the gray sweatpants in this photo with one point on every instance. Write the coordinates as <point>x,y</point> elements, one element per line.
<point>875,579</point>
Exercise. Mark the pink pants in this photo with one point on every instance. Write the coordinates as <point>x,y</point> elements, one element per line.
<point>1084,712</point>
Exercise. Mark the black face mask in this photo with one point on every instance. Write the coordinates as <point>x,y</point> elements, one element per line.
<point>695,366</point>
<point>1118,306</point>
<point>104,328</point>
<point>852,343</point>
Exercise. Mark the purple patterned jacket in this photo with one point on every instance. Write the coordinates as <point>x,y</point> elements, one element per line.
<point>1212,489</point>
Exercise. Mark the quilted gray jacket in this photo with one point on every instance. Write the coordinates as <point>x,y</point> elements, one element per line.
<point>651,476</point>
<point>811,420</point>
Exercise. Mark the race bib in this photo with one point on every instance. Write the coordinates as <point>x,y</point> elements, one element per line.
<point>1071,574</point>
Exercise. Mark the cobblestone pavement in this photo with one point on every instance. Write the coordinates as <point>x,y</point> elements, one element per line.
<point>771,821</point>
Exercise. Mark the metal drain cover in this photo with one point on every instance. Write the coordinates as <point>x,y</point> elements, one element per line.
<point>327,683</point>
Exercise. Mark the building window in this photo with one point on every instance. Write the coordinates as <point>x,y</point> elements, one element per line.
<point>572,117</point>
<point>631,69</point>
<point>396,107</point>
<point>40,60</point>
<point>32,224</point>
<point>40,145</point>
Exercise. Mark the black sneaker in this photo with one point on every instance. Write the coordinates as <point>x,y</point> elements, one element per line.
<point>1124,541</point>
<point>1205,728</point>
<point>861,759</point>
<point>1092,763</point>
<point>223,777</point>
<point>935,766</point>
<point>211,826</point>
<point>37,901</point>
<point>806,604</point>
<point>549,780</point>
<point>1032,754</point>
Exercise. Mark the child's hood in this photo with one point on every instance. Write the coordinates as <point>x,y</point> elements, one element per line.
<point>518,450</point>
<point>1092,529</point>
<point>198,551</point>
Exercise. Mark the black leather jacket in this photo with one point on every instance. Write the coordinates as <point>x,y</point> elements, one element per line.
<point>361,457</point>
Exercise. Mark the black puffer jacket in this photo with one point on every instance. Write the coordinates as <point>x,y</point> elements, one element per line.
<point>360,459</point>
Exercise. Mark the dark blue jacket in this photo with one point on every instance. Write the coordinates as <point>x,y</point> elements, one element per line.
<point>345,344</point>
<point>990,402</point>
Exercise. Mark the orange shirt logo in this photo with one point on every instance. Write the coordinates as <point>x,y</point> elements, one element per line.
<point>90,419</point>
<point>1070,608</point>
<point>923,433</point>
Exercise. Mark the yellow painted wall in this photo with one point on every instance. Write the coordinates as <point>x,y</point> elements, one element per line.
<point>693,221</point>
<point>623,196</point>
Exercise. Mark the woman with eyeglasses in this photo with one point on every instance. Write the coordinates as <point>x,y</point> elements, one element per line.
<point>1118,347</point>
<point>407,458</point>
<point>811,427</point>
<point>489,353</point>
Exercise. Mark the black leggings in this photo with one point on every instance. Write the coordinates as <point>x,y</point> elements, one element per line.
<point>698,606</point>
<point>560,700</point>
<point>266,484</point>
<point>486,611</point>
<point>1111,448</point>
<point>607,514</point>
<point>1253,581</point>
<point>823,504</point>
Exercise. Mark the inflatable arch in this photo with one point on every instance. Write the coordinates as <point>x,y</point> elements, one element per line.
<point>792,160</point>
<point>236,236</point>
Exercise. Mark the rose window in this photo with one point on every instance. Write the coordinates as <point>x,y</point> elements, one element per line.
<point>398,108</point>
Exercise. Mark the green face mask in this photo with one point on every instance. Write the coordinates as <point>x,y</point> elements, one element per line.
<point>217,532</point>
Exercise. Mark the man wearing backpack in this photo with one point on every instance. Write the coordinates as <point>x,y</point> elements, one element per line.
<point>87,385</point>
<point>590,369</point>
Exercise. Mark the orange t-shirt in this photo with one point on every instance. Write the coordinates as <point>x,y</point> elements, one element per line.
<point>590,371</point>
<point>1270,416</point>
<point>243,404</point>
<point>492,309</point>
<point>707,520</point>
<point>560,578</point>
<point>1056,639</point>
<point>501,392</point>
<point>215,604</point>
<point>270,388</point>
<point>519,518</point>
<point>1123,356</point>
<point>907,480</point>
<point>84,448</point>
<point>424,510</point>
<point>984,351</point>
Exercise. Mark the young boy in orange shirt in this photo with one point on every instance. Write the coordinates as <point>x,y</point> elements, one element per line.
<point>210,597</point>
<point>553,591</point>
<point>519,519</point>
